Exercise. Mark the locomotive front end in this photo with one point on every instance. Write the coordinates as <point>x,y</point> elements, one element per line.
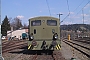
<point>44,33</point>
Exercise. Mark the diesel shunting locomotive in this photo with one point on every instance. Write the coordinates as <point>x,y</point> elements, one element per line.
<point>44,33</point>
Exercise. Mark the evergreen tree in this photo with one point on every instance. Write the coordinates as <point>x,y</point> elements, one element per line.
<point>5,26</point>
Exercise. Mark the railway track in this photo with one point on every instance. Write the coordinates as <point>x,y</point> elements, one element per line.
<point>8,43</point>
<point>80,47</point>
<point>43,57</point>
<point>11,45</point>
<point>85,40</point>
<point>56,55</point>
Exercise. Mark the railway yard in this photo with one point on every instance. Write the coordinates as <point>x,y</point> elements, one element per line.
<point>77,48</point>
<point>45,30</point>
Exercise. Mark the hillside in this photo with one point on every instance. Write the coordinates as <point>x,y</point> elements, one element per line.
<point>75,27</point>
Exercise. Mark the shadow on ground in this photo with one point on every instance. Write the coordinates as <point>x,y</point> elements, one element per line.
<point>32,52</point>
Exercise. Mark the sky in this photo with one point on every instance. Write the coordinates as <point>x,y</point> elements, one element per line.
<point>26,9</point>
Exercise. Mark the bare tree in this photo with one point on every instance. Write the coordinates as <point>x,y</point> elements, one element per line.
<point>25,26</point>
<point>16,23</point>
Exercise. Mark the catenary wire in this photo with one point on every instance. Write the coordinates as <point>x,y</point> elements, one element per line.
<point>79,5</point>
<point>48,7</point>
<point>68,13</point>
<point>76,9</point>
<point>68,7</point>
<point>82,7</point>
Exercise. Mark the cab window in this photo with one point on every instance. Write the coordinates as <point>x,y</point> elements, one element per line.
<point>52,22</point>
<point>36,23</point>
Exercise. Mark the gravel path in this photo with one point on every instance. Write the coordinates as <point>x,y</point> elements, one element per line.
<point>68,52</point>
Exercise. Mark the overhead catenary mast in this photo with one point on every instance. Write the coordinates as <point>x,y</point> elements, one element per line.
<point>59,16</point>
<point>83,15</point>
<point>60,22</point>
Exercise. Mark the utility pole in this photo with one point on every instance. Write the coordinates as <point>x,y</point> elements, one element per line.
<point>83,21</point>
<point>59,22</point>
<point>83,15</point>
<point>1,58</point>
<point>59,16</point>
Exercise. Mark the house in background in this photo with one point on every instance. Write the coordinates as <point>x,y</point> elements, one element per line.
<point>17,33</point>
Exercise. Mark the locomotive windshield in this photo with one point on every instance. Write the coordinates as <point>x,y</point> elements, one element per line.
<point>36,23</point>
<point>52,22</point>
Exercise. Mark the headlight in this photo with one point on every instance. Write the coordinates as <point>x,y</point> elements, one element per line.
<point>32,37</point>
<point>55,36</point>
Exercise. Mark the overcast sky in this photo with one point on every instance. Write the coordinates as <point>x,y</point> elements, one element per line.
<point>25,9</point>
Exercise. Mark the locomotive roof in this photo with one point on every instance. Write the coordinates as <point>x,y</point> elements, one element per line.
<point>42,17</point>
